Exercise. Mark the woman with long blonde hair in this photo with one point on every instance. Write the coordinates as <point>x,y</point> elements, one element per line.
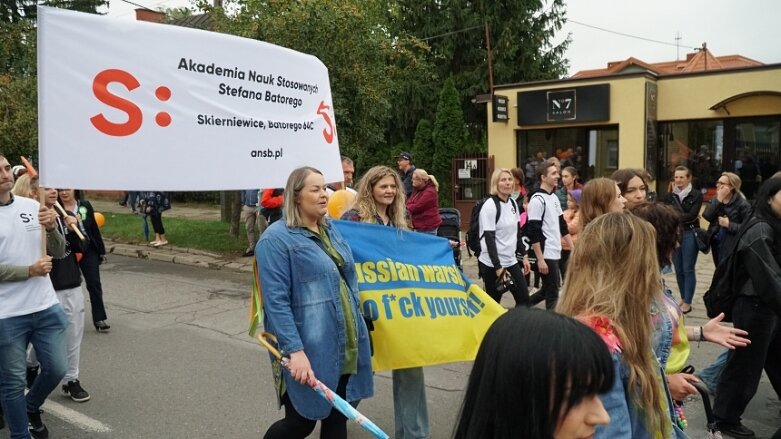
<point>612,282</point>
<point>378,199</point>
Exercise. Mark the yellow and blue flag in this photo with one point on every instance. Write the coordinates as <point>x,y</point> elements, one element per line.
<point>425,311</point>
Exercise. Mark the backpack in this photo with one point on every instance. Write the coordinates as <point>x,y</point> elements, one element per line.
<point>473,233</point>
<point>720,296</point>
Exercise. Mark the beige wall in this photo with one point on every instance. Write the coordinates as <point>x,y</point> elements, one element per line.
<point>627,109</point>
<point>679,98</point>
<point>690,97</point>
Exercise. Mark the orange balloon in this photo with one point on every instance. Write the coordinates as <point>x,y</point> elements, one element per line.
<point>339,202</point>
<point>100,219</point>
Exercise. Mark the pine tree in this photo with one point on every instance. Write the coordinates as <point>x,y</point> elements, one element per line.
<point>449,139</point>
<point>423,145</point>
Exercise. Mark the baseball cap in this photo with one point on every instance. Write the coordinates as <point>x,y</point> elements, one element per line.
<point>404,156</point>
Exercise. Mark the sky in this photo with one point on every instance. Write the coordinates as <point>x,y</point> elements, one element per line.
<point>729,27</point>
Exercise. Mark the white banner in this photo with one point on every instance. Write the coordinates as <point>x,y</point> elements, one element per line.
<point>144,106</point>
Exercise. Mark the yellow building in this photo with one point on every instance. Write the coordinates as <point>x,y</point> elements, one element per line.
<point>709,113</point>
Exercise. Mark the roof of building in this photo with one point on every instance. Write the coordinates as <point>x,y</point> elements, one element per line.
<point>199,21</point>
<point>699,61</point>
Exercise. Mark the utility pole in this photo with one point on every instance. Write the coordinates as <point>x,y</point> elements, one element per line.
<point>678,46</point>
<point>490,61</point>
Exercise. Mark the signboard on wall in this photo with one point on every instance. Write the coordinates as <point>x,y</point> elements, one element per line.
<point>574,104</point>
<point>499,108</point>
<point>651,148</point>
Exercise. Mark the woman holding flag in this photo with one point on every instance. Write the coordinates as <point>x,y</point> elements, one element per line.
<point>310,298</point>
<point>380,201</point>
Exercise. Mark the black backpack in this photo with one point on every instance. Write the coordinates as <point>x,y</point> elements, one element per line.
<point>473,233</point>
<point>720,296</point>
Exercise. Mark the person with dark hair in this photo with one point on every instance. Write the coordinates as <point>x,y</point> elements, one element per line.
<point>519,190</point>
<point>94,253</point>
<point>406,169</point>
<point>726,212</point>
<point>311,305</point>
<point>757,308</point>
<point>536,387</point>
<point>633,185</point>
<point>688,202</point>
<point>673,354</point>
<point>271,204</point>
<point>546,227</point>
<point>154,204</point>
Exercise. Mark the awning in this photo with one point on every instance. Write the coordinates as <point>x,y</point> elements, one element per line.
<point>723,104</point>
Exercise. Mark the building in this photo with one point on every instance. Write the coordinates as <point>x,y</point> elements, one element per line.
<point>709,113</point>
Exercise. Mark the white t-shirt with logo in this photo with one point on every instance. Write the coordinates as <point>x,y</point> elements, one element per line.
<point>506,231</point>
<point>548,204</point>
<point>20,244</point>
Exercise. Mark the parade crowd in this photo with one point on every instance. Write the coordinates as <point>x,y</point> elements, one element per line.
<point>607,358</point>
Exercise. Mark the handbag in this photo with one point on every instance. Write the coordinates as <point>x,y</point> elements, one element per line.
<point>701,238</point>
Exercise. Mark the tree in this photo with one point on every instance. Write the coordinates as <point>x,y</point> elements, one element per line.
<point>365,64</point>
<point>423,145</point>
<point>522,36</point>
<point>18,73</point>
<point>449,139</point>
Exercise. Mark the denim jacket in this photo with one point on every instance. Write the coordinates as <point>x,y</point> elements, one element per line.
<point>627,420</point>
<point>300,291</point>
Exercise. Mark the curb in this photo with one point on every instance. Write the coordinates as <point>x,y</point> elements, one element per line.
<point>179,255</point>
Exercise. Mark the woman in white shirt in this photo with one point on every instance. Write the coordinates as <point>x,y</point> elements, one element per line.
<point>499,240</point>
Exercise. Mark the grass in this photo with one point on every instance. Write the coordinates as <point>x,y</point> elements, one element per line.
<point>205,235</point>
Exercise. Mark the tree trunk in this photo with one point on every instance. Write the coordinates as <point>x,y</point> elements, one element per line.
<point>235,214</point>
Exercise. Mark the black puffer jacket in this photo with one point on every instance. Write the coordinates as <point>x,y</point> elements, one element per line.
<point>738,210</point>
<point>759,265</point>
<point>689,207</point>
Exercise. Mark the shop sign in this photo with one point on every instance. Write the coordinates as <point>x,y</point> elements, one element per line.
<point>575,104</point>
<point>500,111</point>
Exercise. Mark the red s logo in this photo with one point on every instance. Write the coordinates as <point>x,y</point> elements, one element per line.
<point>100,89</point>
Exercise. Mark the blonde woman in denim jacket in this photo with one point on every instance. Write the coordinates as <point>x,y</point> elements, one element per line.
<point>606,290</point>
<point>310,298</point>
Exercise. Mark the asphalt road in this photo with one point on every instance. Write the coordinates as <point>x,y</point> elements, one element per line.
<point>178,364</point>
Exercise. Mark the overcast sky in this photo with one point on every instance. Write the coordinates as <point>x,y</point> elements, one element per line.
<point>749,27</point>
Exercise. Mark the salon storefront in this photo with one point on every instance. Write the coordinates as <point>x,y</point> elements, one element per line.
<point>710,121</point>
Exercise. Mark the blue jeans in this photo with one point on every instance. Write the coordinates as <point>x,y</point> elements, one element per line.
<point>710,375</point>
<point>409,403</point>
<point>684,260</point>
<point>46,331</point>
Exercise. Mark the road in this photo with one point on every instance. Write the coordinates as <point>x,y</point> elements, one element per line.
<point>179,364</point>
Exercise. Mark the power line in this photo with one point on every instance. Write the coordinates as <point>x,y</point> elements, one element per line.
<point>445,34</point>
<point>136,4</point>
<point>628,35</point>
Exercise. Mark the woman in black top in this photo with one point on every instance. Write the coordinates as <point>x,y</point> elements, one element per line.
<point>726,212</point>
<point>757,308</point>
<point>688,202</point>
<point>94,253</point>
